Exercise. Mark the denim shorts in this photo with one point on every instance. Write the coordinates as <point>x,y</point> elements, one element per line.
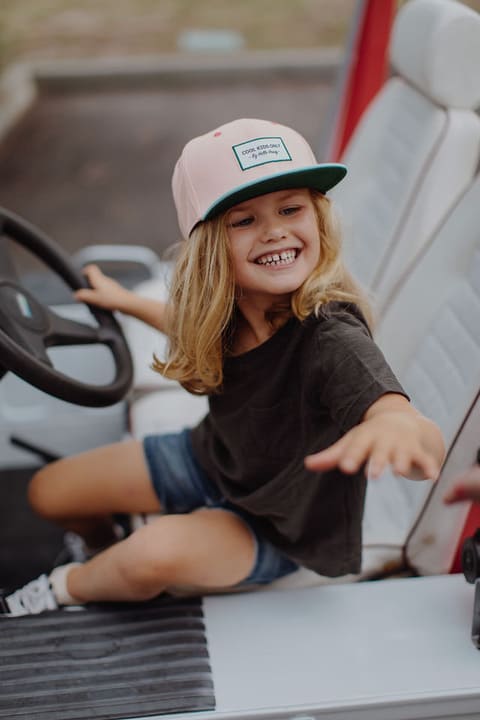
<point>183,486</point>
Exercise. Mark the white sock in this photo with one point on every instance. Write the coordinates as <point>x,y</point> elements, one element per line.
<point>58,581</point>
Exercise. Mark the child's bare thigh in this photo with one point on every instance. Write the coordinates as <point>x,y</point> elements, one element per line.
<point>109,479</point>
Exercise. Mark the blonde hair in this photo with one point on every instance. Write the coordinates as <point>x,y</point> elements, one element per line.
<point>201,309</point>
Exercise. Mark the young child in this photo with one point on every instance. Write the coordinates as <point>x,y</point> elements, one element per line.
<point>265,320</point>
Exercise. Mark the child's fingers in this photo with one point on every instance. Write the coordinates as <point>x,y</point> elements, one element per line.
<point>349,454</point>
<point>331,457</point>
<point>431,468</point>
<point>387,452</point>
<point>426,463</point>
<point>103,291</point>
<point>401,462</point>
<point>355,453</point>
<point>360,446</point>
<point>379,459</point>
<point>92,271</point>
<point>84,295</point>
<point>404,460</point>
<point>325,459</point>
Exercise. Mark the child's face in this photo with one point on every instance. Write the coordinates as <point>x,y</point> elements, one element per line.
<point>275,244</point>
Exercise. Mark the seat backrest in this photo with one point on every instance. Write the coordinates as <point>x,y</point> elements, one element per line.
<point>417,146</point>
<point>430,334</point>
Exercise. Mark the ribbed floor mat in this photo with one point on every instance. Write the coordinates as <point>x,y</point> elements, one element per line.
<point>112,661</point>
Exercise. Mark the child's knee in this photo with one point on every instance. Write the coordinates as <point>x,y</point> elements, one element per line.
<point>39,493</point>
<point>155,554</point>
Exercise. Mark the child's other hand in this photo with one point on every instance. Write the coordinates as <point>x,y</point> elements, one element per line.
<point>465,487</point>
<point>104,291</point>
<point>392,434</point>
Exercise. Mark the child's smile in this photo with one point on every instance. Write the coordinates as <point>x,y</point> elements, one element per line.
<point>285,257</point>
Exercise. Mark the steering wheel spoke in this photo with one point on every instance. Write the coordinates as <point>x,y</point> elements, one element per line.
<point>33,343</point>
<point>64,331</point>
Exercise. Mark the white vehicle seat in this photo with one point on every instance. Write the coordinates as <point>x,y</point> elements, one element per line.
<point>416,148</point>
<point>429,333</point>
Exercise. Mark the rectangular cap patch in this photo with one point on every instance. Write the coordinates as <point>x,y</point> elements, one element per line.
<point>261,151</point>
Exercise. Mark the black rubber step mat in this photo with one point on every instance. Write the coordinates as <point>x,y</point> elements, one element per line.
<point>111,661</point>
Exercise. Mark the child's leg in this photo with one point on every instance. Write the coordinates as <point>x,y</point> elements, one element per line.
<point>80,493</point>
<point>205,549</point>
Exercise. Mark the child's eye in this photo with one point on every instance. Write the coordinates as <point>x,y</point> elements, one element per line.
<point>241,222</point>
<point>291,210</point>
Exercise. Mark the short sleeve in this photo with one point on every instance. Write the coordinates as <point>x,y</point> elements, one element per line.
<point>351,372</point>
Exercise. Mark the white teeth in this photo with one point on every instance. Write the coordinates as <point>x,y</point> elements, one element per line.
<point>284,258</point>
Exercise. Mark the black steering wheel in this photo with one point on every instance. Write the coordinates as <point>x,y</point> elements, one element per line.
<point>28,328</point>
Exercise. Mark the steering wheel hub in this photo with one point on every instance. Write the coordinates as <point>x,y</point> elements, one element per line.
<point>21,307</point>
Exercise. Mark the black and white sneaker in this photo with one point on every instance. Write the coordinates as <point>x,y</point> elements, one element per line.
<point>33,598</point>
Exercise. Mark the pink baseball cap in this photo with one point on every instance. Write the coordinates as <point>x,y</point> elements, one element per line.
<point>241,160</point>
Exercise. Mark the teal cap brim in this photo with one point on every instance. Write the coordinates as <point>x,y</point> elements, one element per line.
<point>317,177</point>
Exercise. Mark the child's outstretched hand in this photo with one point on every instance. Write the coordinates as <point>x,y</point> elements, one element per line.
<point>104,291</point>
<point>392,433</point>
<point>465,487</point>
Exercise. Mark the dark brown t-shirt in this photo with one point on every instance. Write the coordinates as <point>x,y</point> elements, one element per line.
<point>296,394</point>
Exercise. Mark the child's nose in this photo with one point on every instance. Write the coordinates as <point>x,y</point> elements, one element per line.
<point>274,231</point>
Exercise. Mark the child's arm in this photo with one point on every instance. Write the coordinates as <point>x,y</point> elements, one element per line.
<point>465,487</point>
<point>110,295</point>
<point>391,433</point>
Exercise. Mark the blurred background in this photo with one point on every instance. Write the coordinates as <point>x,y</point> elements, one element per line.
<point>62,28</point>
<point>121,85</point>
